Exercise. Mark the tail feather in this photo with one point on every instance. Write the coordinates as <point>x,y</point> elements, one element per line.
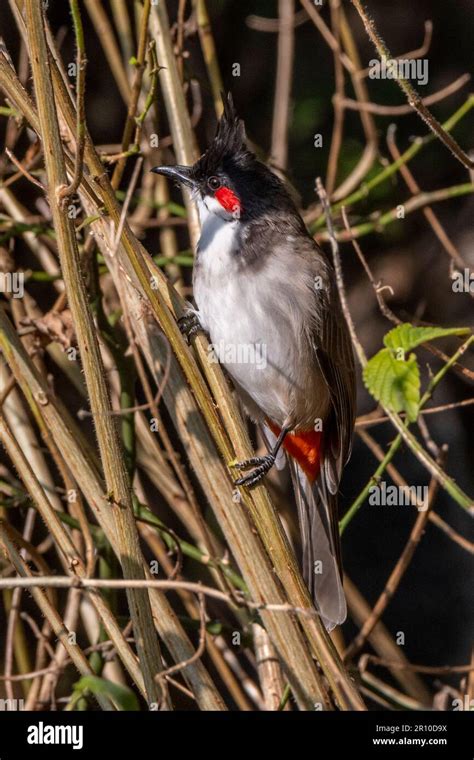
<point>317,514</point>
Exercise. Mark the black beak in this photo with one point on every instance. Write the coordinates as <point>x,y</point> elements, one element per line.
<point>181,174</point>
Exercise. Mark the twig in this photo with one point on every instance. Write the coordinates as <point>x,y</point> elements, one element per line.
<point>66,581</point>
<point>399,570</point>
<point>272,25</point>
<point>429,214</point>
<point>414,99</point>
<point>364,190</point>
<point>373,481</point>
<point>404,110</point>
<point>30,674</point>
<point>417,53</point>
<point>370,421</point>
<point>338,271</point>
<point>184,142</point>
<point>126,204</point>
<point>283,80</point>
<point>370,151</point>
<point>124,27</point>
<point>106,36</point>
<point>201,645</point>
<point>378,453</point>
<point>377,287</point>
<point>339,110</point>
<point>426,669</point>
<point>269,669</point>
<point>81,62</point>
<point>6,390</point>
<point>433,468</point>
<point>23,170</point>
<point>111,453</point>
<point>135,93</point>
<point>327,35</point>
<point>414,203</point>
<point>210,53</point>
<point>384,645</point>
<point>14,625</point>
<point>68,553</point>
<point>49,611</point>
<point>390,696</point>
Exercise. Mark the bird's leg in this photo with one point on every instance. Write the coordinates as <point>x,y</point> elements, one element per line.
<point>189,324</point>
<point>261,465</point>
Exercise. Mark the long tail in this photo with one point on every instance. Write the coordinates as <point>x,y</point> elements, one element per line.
<point>317,516</point>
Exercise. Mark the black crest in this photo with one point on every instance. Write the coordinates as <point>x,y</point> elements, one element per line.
<point>229,141</point>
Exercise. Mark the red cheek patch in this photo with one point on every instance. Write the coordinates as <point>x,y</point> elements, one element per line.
<point>228,200</point>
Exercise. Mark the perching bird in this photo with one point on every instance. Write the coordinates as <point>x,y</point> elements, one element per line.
<point>262,283</point>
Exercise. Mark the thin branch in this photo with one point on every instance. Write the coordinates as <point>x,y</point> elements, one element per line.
<point>327,35</point>
<point>456,493</point>
<point>384,645</point>
<point>418,143</point>
<point>378,453</point>
<point>338,271</point>
<point>414,99</point>
<point>69,556</point>
<point>272,25</point>
<point>135,93</point>
<point>404,110</point>
<point>201,645</point>
<point>377,286</point>
<point>81,62</point>
<point>369,420</point>
<point>210,53</point>
<point>399,570</point>
<point>370,151</point>
<point>412,204</point>
<point>283,80</point>
<point>417,53</point>
<point>431,670</point>
<point>49,611</point>
<point>339,110</point>
<point>106,36</point>
<point>429,214</point>
<point>112,458</point>
<point>23,170</point>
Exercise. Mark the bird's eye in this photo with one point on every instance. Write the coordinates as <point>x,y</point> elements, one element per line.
<point>214,183</point>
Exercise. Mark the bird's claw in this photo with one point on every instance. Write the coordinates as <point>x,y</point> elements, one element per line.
<point>260,465</point>
<point>189,324</point>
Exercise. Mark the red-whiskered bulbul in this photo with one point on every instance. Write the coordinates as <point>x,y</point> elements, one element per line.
<point>261,281</point>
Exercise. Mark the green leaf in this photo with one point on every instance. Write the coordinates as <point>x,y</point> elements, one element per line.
<point>391,377</point>
<point>395,383</point>
<point>122,696</point>
<point>406,337</point>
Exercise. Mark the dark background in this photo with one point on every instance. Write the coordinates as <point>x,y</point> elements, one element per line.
<point>433,606</point>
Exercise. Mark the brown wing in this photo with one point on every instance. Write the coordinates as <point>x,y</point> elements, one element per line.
<point>332,345</point>
<point>330,339</point>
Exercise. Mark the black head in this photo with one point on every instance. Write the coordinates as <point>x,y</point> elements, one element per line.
<point>231,175</point>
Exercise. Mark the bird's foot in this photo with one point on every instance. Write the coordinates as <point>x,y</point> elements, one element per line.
<point>260,465</point>
<point>189,324</point>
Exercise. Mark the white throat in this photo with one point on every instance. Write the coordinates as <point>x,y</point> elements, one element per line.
<point>219,235</point>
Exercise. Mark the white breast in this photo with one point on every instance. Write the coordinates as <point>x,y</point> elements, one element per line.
<point>248,332</point>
